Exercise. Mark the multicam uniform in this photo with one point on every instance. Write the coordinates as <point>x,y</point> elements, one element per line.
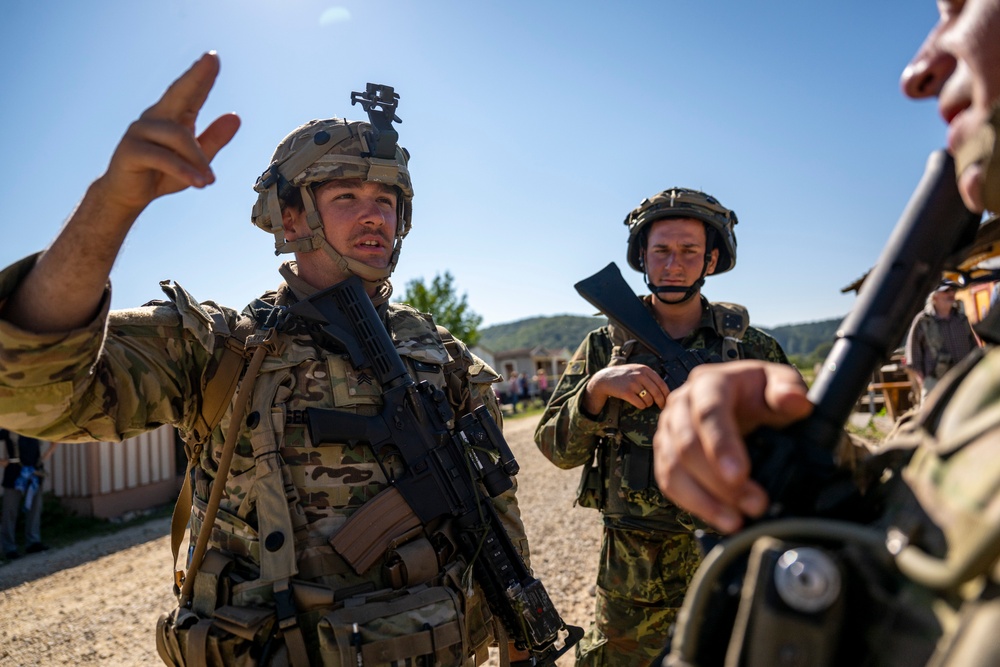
<point>648,553</point>
<point>131,371</point>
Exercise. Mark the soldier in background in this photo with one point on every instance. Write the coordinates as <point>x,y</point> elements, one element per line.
<point>72,371</point>
<point>946,511</point>
<point>603,413</point>
<point>939,337</point>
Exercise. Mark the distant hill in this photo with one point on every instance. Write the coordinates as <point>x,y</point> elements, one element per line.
<point>804,338</point>
<point>569,331</point>
<point>550,332</point>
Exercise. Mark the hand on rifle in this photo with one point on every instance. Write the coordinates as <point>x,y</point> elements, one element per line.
<point>699,455</point>
<point>636,384</point>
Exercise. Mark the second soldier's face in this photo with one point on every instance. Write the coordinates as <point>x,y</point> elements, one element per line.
<point>959,62</point>
<point>675,252</point>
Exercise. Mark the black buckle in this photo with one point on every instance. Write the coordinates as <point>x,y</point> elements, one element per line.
<point>270,176</point>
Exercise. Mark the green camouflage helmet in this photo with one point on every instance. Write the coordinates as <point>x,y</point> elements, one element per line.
<point>683,203</point>
<point>320,151</point>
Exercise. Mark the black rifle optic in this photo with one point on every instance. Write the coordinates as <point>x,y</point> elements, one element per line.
<point>449,473</point>
<point>607,291</point>
<point>380,101</point>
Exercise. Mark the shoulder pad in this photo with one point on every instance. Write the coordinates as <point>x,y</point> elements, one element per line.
<point>731,319</point>
<point>415,335</point>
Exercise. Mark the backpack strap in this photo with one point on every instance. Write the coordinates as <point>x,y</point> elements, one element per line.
<point>216,395</point>
<point>261,344</point>
<point>731,321</point>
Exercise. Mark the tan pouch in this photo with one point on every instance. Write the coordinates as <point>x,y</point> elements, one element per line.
<point>386,627</point>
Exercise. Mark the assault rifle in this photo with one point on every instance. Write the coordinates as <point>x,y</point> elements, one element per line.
<point>789,571</point>
<point>607,291</point>
<point>448,473</point>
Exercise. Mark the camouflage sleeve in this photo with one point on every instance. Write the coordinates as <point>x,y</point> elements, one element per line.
<point>759,345</point>
<point>566,435</point>
<point>125,373</point>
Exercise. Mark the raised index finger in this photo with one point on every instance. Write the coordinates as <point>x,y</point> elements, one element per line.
<point>184,98</point>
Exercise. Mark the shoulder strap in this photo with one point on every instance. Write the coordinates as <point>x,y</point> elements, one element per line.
<point>731,321</point>
<point>456,372</point>
<point>216,395</point>
<point>221,386</point>
<point>262,344</point>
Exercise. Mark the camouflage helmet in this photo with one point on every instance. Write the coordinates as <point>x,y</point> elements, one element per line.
<point>320,151</point>
<point>683,203</point>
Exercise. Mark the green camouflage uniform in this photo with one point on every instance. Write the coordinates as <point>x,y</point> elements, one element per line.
<point>648,553</point>
<point>131,371</point>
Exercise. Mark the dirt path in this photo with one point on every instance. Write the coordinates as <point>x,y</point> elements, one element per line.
<point>97,602</point>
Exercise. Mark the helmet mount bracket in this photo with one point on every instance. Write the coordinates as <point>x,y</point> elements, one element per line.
<point>380,102</point>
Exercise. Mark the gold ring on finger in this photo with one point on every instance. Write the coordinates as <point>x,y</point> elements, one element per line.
<point>642,394</point>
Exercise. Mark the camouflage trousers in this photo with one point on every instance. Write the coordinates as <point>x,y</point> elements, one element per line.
<point>641,584</point>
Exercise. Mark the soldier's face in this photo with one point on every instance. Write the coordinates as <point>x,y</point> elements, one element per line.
<point>359,221</point>
<point>675,252</point>
<point>959,62</point>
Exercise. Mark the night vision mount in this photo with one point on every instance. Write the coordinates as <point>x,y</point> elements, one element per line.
<point>380,102</point>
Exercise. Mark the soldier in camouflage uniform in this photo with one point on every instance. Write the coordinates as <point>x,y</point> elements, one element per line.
<point>271,589</point>
<point>603,413</point>
<point>930,575</point>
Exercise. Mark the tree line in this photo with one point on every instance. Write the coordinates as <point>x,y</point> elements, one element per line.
<point>805,344</point>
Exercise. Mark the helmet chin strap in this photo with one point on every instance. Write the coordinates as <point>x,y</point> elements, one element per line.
<point>676,289</point>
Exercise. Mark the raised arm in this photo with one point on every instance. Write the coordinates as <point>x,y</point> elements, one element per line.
<point>158,155</point>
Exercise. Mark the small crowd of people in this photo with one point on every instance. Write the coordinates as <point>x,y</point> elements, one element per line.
<point>523,390</point>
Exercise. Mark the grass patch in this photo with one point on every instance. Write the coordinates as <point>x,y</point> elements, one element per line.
<point>870,431</point>
<point>533,409</point>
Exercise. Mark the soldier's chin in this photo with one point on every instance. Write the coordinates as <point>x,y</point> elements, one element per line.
<point>970,185</point>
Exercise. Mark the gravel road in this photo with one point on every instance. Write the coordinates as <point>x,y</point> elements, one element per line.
<point>97,601</point>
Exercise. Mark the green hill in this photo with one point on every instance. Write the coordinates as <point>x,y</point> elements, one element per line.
<point>803,339</point>
<point>549,332</point>
<point>569,331</point>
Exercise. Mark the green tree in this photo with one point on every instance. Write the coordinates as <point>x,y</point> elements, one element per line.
<point>448,309</point>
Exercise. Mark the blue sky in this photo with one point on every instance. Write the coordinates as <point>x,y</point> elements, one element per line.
<point>534,127</point>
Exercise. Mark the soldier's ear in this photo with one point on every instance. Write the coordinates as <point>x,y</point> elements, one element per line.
<point>293,221</point>
<point>713,262</point>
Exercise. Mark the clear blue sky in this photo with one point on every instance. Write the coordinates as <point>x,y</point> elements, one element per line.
<point>534,127</point>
